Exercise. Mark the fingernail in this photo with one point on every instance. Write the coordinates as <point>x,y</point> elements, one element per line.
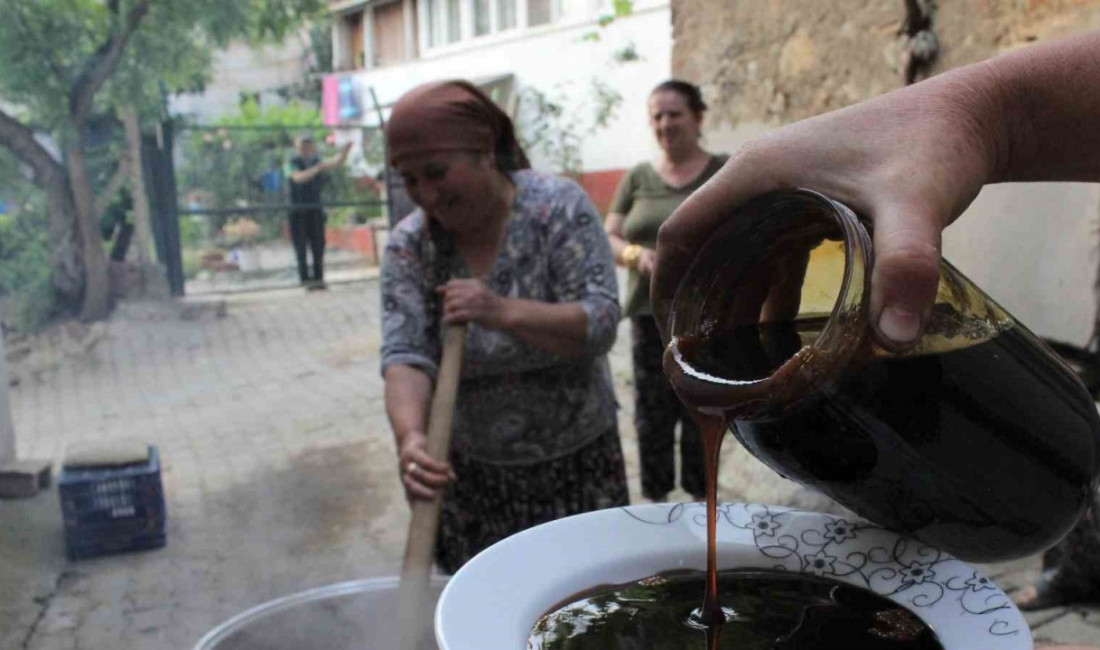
<point>899,324</point>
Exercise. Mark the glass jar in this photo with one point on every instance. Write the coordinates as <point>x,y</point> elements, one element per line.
<point>979,440</point>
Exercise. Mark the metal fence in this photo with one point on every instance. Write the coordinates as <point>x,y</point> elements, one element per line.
<point>232,192</point>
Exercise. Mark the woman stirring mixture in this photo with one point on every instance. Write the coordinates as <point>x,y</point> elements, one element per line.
<point>521,258</point>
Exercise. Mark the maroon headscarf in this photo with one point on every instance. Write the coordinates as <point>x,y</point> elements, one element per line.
<point>451,116</point>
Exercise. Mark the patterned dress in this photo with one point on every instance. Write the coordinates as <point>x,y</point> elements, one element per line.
<point>535,435</point>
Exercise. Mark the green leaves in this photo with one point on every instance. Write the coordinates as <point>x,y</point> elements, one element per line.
<point>619,9</point>
<point>24,249</point>
<point>556,130</point>
<point>42,45</point>
<point>46,43</point>
<point>63,70</point>
<point>623,7</point>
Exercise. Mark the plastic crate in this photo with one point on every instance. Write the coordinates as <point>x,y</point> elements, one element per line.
<point>96,547</point>
<point>86,547</point>
<point>113,509</point>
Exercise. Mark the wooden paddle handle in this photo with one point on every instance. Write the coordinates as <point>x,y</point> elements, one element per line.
<point>420,545</point>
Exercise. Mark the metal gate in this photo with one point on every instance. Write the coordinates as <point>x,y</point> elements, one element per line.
<point>221,204</point>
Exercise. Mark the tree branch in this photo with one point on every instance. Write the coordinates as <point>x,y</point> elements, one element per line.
<point>101,64</point>
<point>108,194</point>
<point>19,139</point>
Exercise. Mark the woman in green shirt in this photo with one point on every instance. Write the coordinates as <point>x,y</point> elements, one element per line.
<point>645,198</point>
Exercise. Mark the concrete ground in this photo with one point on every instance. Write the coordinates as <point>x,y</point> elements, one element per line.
<point>278,467</point>
<point>278,270</point>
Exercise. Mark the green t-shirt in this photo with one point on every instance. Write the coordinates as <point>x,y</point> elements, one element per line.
<point>647,201</point>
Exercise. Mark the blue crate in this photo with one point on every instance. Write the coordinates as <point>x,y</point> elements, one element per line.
<point>113,509</point>
<point>111,545</point>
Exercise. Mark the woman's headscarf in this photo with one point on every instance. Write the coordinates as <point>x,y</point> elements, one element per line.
<point>451,116</point>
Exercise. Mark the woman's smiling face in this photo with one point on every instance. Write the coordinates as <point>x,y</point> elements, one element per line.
<point>453,188</point>
<point>673,122</point>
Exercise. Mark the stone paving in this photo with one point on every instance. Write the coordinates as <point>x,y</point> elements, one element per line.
<point>277,465</point>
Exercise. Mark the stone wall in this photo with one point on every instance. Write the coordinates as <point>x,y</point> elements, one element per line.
<point>764,63</point>
<point>776,61</point>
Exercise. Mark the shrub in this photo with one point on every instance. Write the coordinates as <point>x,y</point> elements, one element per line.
<point>25,265</point>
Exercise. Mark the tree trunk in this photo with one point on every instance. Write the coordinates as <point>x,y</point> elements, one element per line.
<point>97,286</point>
<point>66,260</point>
<point>143,243</point>
<point>66,266</point>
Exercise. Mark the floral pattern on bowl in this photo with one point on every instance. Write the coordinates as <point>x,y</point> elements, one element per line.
<point>495,599</point>
<point>907,571</point>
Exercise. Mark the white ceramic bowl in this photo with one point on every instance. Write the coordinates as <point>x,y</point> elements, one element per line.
<point>493,601</point>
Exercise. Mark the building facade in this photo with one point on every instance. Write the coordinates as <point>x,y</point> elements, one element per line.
<point>575,54</point>
<point>243,71</point>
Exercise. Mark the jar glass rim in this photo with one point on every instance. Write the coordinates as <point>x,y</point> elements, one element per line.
<point>845,331</point>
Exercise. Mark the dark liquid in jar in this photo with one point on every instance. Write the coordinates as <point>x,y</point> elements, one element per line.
<point>766,610</point>
<point>915,443</point>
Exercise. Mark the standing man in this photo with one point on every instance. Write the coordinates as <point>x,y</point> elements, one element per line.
<point>307,219</point>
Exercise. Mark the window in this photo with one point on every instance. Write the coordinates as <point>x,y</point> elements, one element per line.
<point>482,14</point>
<point>449,21</point>
<point>389,34</point>
<point>454,21</point>
<point>538,12</point>
<point>435,23</point>
<point>444,22</point>
<point>542,12</point>
<point>506,14</point>
<point>354,26</point>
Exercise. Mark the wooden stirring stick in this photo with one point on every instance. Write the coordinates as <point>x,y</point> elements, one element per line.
<point>420,545</point>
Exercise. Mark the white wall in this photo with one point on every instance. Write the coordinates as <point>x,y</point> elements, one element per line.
<point>554,56</point>
<point>1033,247</point>
<point>240,69</point>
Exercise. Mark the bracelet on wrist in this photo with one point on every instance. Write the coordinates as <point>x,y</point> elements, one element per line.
<point>630,255</point>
